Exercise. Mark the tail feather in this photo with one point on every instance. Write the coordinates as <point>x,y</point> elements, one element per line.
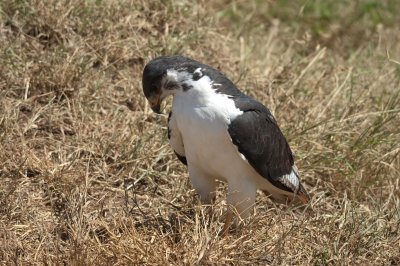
<point>303,195</point>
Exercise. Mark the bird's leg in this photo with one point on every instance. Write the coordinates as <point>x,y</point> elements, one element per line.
<point>204,185</point>
<point>241,197</point>
<point>208,202</point>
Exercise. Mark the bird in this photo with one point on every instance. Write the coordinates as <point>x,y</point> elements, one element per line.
<point>220,133</point>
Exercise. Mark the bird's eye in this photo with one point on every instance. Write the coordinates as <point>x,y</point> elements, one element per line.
<point>170,86</point>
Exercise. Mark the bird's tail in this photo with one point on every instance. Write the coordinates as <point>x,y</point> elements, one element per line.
<point>302,195</point>
<point>292,181</point>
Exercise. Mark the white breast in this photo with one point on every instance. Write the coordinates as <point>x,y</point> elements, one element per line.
<point>203,117</point>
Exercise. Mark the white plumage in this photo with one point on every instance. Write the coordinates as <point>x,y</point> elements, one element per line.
<point>201,132</point>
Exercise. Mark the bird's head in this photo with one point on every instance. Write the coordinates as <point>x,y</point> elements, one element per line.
<point>154,75</point>
<point>164,76</point>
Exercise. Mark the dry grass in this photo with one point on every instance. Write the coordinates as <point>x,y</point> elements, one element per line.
<point>86,173</point>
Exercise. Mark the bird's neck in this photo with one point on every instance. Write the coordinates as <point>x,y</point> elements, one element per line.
<point>196,93</point>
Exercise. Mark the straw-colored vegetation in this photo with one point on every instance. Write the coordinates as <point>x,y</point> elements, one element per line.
<point>86,172</point>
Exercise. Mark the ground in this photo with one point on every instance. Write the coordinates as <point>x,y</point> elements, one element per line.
<point>86,173</point>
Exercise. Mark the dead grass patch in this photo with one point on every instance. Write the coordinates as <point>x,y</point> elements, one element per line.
<point>86,173</point>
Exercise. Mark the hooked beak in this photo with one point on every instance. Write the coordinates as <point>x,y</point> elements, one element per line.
<point>155,105</point>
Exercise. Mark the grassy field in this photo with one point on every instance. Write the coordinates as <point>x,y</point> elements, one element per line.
<point>86,173</point>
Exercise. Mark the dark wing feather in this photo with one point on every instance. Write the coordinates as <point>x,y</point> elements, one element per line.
<point>181,158</point>
<point>259,139</point>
